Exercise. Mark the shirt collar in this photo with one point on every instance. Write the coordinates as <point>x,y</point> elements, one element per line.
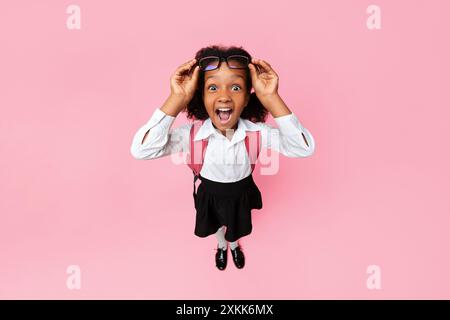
<point>208,129</point>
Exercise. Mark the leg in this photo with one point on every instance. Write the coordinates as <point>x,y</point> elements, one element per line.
<point>237,254</point>
<point>233,245</point>
<point>221,254</point>
<point>220,235</point>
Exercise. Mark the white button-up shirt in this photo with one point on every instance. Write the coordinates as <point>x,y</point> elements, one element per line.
<point>225,160</point>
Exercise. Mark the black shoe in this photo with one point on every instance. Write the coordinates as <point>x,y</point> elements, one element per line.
<point>221,258</point>
<point>238,257</point>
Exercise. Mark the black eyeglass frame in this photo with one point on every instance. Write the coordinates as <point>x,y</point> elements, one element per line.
<point>224,59</point>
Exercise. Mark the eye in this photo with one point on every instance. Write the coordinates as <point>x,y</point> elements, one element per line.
<point>234,86</point>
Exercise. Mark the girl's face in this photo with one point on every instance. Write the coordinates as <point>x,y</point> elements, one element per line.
<point>225,96</point>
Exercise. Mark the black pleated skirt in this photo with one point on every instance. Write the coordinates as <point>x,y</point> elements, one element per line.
<point>226,203</point>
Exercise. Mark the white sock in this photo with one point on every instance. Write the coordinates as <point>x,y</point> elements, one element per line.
<point>233,245</point>
<point>220,235</point>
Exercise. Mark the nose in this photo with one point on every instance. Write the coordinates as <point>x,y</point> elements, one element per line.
<point>224,97</point>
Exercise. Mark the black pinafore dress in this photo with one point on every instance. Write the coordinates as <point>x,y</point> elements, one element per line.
<point>226,203</point>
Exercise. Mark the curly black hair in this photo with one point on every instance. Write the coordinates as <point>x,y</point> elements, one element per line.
<point>254,111</point>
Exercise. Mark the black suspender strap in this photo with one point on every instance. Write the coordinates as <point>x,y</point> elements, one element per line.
<point>195,180</point>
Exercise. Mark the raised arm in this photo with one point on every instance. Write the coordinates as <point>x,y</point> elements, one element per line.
<point>290,138</point>
<point>154,139</point>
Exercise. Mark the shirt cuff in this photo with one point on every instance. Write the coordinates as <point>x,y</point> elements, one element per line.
<point>289,125</point>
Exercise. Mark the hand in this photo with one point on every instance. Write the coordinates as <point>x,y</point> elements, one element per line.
<point>184,82</point>
<point>264,79</point>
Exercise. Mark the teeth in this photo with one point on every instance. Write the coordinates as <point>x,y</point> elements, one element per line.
<point>224,109</point>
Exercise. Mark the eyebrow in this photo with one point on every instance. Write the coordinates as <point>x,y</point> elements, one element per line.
<point>233,76</point>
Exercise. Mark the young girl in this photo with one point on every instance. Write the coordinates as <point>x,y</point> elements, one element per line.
<point>215,88</point>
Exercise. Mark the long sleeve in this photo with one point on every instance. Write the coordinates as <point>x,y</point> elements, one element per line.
<point>290,138</point>
<point>160,141</point>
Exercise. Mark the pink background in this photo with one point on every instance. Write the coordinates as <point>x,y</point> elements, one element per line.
<point>376,191</point>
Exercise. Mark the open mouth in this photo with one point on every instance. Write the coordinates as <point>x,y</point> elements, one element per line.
<point>224,114</point>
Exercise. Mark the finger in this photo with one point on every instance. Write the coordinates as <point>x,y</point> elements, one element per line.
<point>186,66</point>
<point>195,74</point>
<point>190,62</point>
<point>264,61</point>
<point>183,70</point>
<point>267,68</point>
<point>253,72</point>
<point>265,65</point>
<point>257,65</point>
<point>260,66</point>
<point>257,61</point>
<point>260,61</point>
